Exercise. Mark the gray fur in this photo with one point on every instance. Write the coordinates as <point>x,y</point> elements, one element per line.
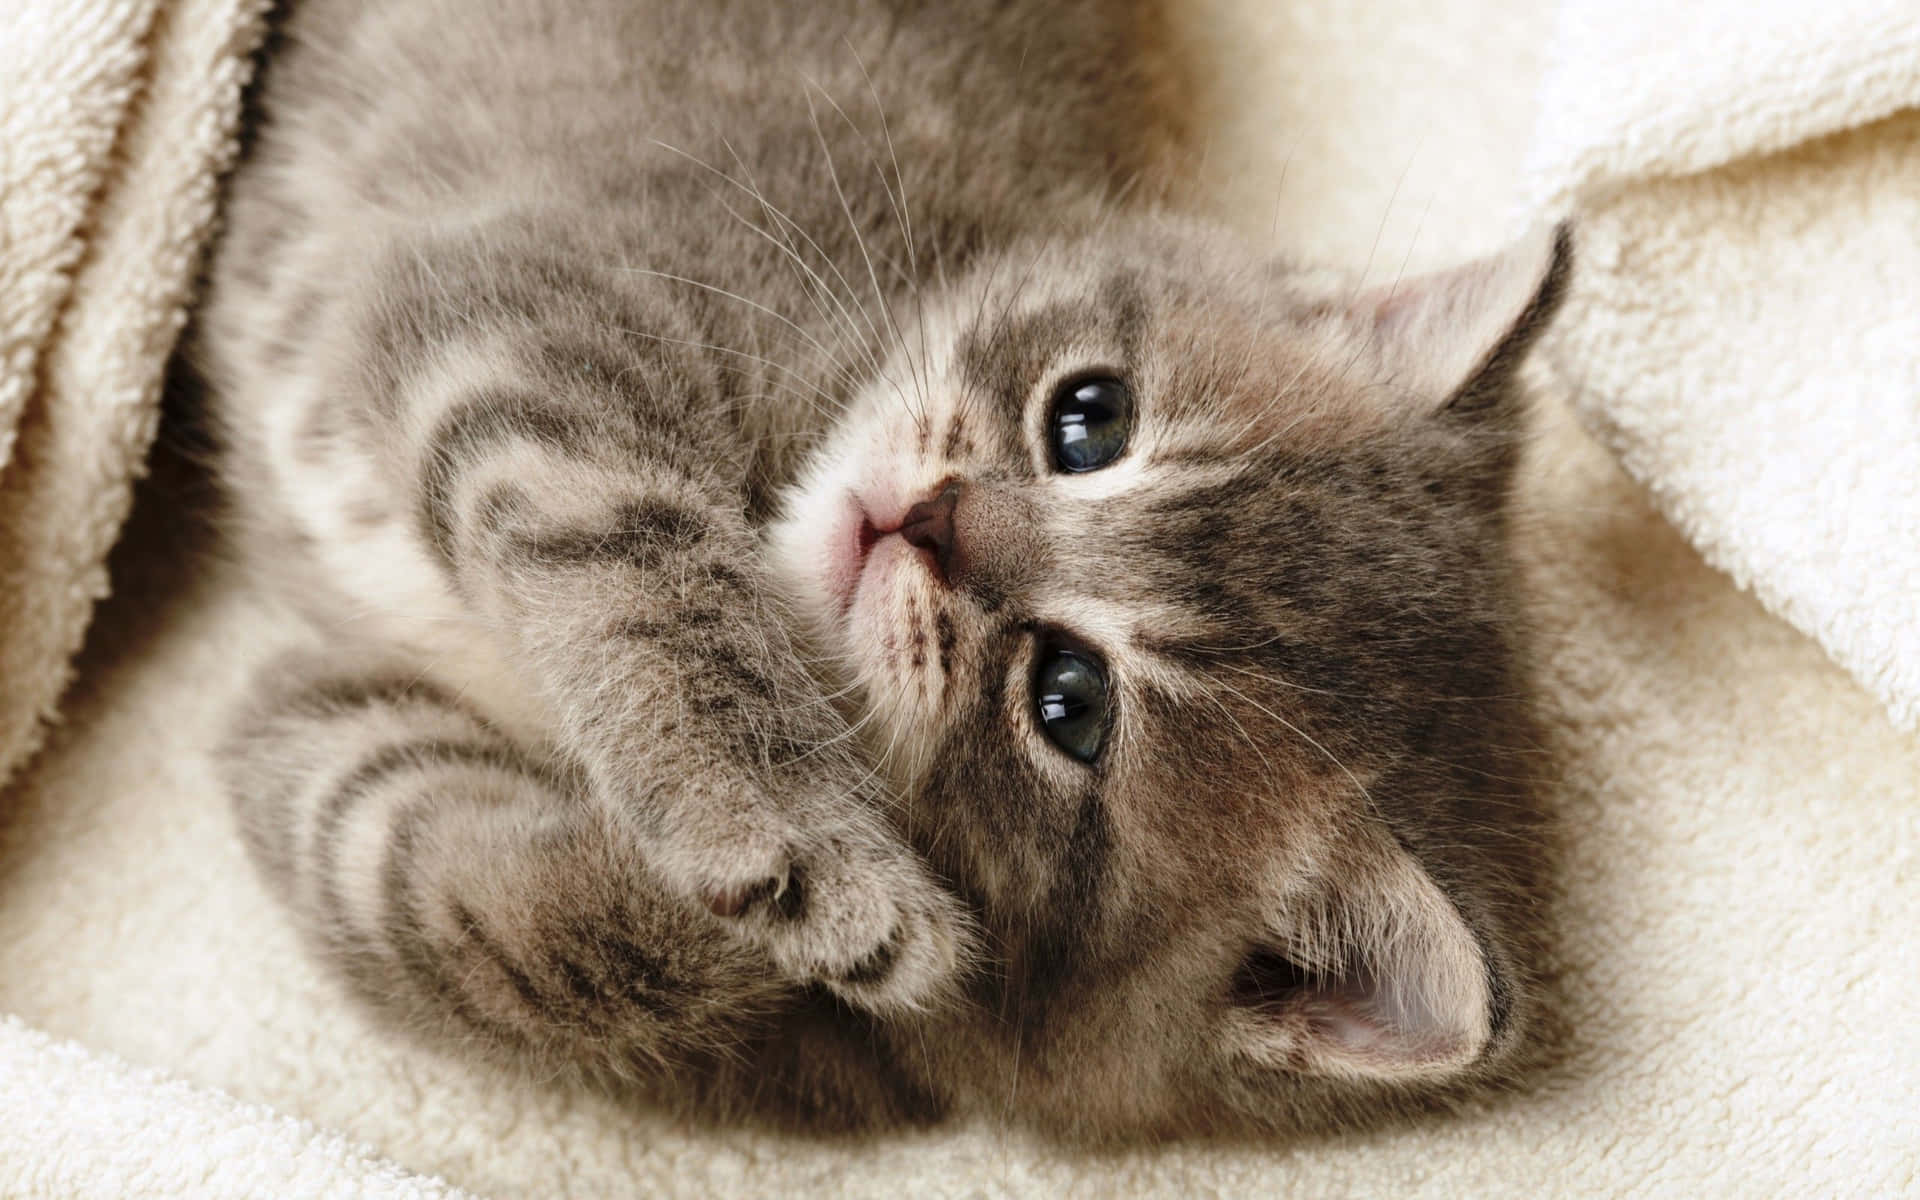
<point>545,339</point>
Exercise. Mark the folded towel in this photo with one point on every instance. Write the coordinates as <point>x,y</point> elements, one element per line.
<point>1743,330</point>
<point>116,119</point>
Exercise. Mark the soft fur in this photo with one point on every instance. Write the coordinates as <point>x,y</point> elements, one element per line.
<point>566,352</point>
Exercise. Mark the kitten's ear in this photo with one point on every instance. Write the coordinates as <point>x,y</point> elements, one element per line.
<point>1381,979</point>
<point>1459,334</point>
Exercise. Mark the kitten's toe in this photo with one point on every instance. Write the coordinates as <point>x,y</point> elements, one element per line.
<point>735,899</point>
<point>914,968</point>
<point>914,963</point>
<point>829,893</point>
<point>866,920</point>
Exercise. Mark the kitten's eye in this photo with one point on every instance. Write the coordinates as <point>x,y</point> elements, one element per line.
<point>1090,422</point>
<point>1070,694</point>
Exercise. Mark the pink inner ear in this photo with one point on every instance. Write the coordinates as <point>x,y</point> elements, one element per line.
<point>1352,1022</point>
<point>1436,330</point>
<point>1378,977</point>
<point>1360,1022</point>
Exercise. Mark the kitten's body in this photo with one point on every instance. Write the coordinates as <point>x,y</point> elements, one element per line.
<point>578,361</point>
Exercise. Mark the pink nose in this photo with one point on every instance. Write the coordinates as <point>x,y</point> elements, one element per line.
<point>929,525</point>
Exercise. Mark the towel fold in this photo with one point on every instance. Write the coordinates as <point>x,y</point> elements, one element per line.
<point>1743,330</point>
<point>116,120</point>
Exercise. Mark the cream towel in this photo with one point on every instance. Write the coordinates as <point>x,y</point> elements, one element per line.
<point>1741,980</point>
<point>116,118</point>
<point>81,1125</point>
<point>1744,330</point>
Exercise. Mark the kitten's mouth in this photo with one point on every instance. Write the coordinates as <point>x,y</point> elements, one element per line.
<point>864,538</point>
<point>847,565</point>
<point>855,541</point>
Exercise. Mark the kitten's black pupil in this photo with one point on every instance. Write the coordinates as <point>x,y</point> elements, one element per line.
<point>1091,419</point>
<point>1070,692</point>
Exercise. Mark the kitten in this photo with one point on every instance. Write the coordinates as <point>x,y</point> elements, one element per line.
<point>834,607</point>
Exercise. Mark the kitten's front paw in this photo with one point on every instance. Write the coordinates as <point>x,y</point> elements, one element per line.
<point>843,903</point>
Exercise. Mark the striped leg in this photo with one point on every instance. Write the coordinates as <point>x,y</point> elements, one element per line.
<point>460,883</point>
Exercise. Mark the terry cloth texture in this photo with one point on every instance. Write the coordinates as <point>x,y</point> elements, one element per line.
<point>1744,330</point>
<point>82,1126</point>
<point>116,119</point>
<point>1738,973</point>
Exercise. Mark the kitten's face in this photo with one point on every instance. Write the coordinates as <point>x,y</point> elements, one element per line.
<point>1174,596</point>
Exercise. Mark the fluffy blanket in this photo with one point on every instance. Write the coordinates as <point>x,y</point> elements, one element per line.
<point>1738,973</point>
<point>1744,332</point>
<point>116,118</point>
<point>87,1125</point>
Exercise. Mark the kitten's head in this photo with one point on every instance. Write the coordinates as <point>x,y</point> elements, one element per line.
<point>1175,591</point>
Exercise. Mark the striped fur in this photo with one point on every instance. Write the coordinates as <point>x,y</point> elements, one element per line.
<point>550,342</point>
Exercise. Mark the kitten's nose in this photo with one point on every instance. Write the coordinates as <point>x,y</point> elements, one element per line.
<point>929,525</point>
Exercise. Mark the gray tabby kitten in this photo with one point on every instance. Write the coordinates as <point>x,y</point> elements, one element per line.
<point>834,609</point>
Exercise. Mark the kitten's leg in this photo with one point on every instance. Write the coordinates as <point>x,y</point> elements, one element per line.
<point>464,885</point>
<point>580,487</point>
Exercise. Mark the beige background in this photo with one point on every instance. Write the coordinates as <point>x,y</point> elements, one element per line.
<point>1740,965</point>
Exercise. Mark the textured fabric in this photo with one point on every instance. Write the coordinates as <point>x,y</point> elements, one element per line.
<point>116,117</point>
<point>1740,981</point>
<point>83,1125</point>
<point>1743,329</point>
